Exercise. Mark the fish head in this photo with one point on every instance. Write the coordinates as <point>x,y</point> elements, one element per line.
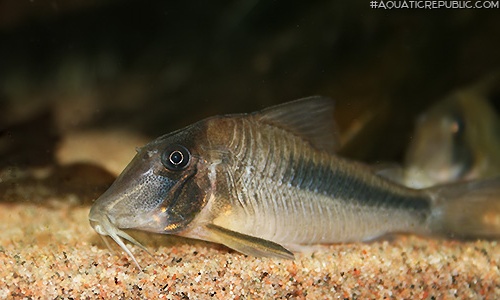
<point>440,150</point>
<point>458,138</point>
<point>161,190</point>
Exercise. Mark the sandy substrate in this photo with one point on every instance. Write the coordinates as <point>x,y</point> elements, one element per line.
<point>49,251</point>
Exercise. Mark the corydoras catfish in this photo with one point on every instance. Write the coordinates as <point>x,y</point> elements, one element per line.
<point>457,139</point>
<point>268,183</point>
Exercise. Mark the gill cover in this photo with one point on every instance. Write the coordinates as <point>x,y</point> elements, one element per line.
<point>157,192</point>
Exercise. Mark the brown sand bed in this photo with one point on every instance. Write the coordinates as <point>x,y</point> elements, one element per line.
<point>49,251</point>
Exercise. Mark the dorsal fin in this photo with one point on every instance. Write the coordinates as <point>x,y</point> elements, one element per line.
<point>310,118</point>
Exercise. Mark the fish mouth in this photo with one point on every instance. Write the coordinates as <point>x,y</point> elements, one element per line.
<point>102,224</point>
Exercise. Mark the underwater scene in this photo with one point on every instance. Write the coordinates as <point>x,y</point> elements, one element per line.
<point>250,149</point>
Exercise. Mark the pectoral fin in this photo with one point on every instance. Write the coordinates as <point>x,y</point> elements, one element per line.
<point>247,244</point>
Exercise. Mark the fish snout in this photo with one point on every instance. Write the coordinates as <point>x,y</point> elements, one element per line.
<point>97,219</point>
<point>98,227</point>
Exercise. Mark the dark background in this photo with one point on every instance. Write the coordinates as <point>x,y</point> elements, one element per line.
<point>153,66</point>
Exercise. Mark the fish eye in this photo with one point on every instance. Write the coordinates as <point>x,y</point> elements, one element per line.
<point>457,129</point>
<point>175,157</point>
<point>457,125</point>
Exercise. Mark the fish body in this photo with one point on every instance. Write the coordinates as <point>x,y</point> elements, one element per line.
<point>457,139</point>
<point>266,183</point>
<point>275,187</point>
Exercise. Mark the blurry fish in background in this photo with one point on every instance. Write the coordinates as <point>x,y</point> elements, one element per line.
<point>457,139</point>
